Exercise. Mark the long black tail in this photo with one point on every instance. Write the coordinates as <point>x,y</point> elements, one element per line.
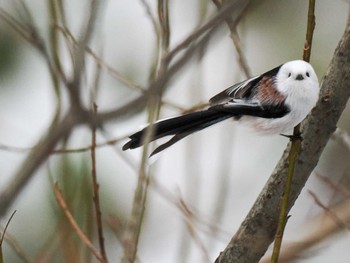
<point>180,127</point>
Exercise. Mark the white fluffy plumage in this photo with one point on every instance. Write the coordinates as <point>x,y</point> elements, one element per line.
<point>300,94</point>
<point>271,103</point>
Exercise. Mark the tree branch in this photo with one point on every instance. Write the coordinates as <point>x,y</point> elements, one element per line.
<point>78,115</point>
<point>257,230</point>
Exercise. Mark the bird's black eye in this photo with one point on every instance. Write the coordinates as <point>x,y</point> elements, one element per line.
<point>307,74</point>
<point>290,74</point>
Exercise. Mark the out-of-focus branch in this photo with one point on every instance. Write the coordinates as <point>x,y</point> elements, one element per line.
<point>232,25</point>
<point>98,60</point>
<point>74,83</point>
<point>34,159</point>
<point>329,224</point>
<point>11,241</point>
<point>95,192</point>
<point>77,115</point>
<point>133,226</point>
<point>257,230</point>
<point>75,226</point>
<point>232,9</point>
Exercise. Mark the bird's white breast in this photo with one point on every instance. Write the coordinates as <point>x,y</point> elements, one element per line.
<point>301,97</point>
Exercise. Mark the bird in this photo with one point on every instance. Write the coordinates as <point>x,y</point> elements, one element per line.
<point>271,103</point>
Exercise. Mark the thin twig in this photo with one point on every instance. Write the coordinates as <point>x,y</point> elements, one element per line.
<point>254,236</point>
<point>74,84</point>
<point>189,222</point>
<point>26,31</point>
<point>56,61</point>
<point>11,241</point>
<point>75,226</point>
<point>99,61</point>
<point>329,211</point>
<point>295,148</point>
<point>152,17</point>
<point>7,224</point>
<point>95,188</point>
<point>232,25</point>
<point>139,204</point>
<point>11,148</point>
<point>3,236</point>
<point>339,188</point>
<point>328,224</point>
<point>76,117</point>
<point>232,8</point>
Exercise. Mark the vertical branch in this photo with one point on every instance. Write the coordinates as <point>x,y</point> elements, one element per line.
<point>295,148</point>
<point>95,188</point>
<point>133,228</point>
<point>163,13</point>
<point>74,85</point>
<point>309,31</point>
<point>56,63</point>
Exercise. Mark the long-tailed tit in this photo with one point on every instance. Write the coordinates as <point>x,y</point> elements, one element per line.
<point>271,103</point>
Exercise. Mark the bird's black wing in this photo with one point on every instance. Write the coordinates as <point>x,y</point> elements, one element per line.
<point>251,97</point>
<point>244,90</point>
<point>251,108</point>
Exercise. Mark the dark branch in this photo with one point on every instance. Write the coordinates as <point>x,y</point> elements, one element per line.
<point>257,231</point>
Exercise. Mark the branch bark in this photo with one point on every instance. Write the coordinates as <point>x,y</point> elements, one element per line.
<point>257,231</point>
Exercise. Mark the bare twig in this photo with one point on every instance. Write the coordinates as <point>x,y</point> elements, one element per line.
<point>133,228</point>
<point>339,188</point>
<point>73,223</point>
<point>11,148</point>
<point>79,116</point>
<point>74,84</point>
<point>95,188</point>
<point>152,17</point>
<point>328,211</point>
<point>327,225</point>
<point>295,147</point>
<point>7,224</point>
<point>232,24</point>
<point>99,61</point>
<point>189,222</point>
<point>26,31</point>
<point>35,158</point>
<point>3,236</point>
<point>11,241</point>
<point>257,230</point>
<point>233,8</point>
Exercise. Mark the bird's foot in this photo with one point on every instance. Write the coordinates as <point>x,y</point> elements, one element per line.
<point>293,137</point>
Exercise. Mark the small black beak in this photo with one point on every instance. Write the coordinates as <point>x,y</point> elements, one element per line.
<point>299,77</point>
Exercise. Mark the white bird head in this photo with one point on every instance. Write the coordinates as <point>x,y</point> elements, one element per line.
<point>298,81</point>
<point>297,77</point>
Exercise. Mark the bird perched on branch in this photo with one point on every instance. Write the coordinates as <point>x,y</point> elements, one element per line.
<point>272,103</point>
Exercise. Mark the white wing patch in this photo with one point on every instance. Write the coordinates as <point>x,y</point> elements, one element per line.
<point>232,92</point>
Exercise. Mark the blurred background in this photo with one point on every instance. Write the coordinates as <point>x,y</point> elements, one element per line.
<point>200,189</point>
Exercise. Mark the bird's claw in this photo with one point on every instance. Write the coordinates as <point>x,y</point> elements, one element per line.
<point>293,137</point>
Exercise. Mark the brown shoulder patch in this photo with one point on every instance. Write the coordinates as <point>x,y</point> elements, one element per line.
<point>268,93</point>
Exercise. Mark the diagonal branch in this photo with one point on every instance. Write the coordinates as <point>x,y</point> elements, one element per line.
<point>257,230</point>
<point>77,115</point>
<point>75,226</point>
